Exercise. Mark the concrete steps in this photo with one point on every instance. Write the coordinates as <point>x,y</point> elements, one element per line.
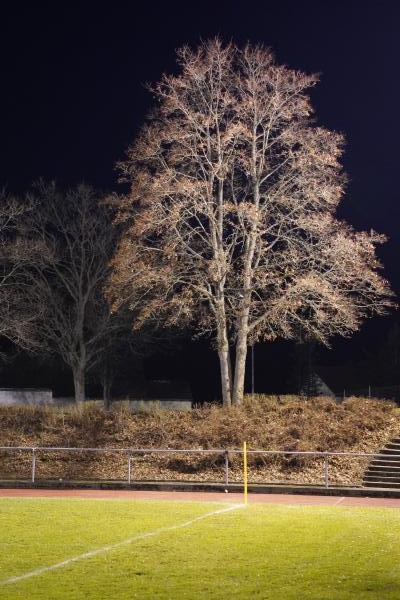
<point>384,470</point>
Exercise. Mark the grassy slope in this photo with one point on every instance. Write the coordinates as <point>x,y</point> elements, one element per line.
<point>262,551</point>
<point>268,423</point>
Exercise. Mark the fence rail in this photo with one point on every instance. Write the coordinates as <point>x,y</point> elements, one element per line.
<point>225,453</point>
<point>387,392</point>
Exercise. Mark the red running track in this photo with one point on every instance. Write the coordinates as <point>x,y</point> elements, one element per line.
<point>205,497</point>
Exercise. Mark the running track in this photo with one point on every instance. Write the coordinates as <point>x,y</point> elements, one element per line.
<point>205,497</point>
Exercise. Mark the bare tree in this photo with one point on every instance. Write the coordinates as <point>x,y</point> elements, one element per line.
<point>129,344</point>
<point>234,189</point>
<point>17,316</point>
<point>63,279</point>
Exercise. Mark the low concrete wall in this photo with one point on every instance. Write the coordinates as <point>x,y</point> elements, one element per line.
<point>10,397</point>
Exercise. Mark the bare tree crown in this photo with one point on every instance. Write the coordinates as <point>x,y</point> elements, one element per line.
<point>231,214</point>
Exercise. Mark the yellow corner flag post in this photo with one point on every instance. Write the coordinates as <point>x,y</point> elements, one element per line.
<point>245,471</point>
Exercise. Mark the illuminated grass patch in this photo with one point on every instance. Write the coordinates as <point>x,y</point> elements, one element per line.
<point>261,551</point>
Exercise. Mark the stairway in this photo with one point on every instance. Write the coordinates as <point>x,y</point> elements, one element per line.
<point>384,471</point>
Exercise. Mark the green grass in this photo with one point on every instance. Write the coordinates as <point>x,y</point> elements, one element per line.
<point>261,551</point>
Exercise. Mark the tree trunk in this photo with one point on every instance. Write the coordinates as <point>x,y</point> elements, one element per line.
<point>240,368</point>
<point>226,376</point>
<point>241,352</point>
<point>223,353</point>
<point>107,383</point>
<point>79,383</point>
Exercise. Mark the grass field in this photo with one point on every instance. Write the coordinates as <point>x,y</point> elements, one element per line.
<point>120,549</point>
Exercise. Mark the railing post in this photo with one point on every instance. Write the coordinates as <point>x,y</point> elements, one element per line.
<point>326,473</point>
<point>129,468</point>
<point>226,454</point>
<point>33,465</point>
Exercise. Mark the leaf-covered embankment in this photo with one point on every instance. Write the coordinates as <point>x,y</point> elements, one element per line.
<point>266,423</point>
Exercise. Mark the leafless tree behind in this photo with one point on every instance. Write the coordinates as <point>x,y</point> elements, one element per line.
<point>68,239</point>
<point>17,315</point>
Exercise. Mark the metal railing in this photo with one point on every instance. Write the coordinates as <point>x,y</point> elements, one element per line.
<point>388,392</point>
<point>225,453</point>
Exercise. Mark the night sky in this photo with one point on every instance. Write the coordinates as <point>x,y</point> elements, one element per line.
<point>73,93</point>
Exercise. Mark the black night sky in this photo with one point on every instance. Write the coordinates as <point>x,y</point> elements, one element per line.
<point>73,91</point>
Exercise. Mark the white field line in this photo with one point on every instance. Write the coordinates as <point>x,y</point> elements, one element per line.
<point>104,549</point>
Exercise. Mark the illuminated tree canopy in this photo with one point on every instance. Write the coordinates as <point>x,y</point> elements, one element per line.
<point>230,221</point>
